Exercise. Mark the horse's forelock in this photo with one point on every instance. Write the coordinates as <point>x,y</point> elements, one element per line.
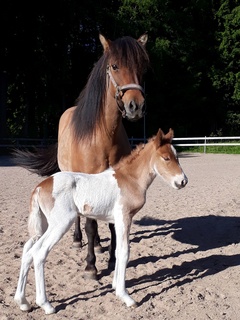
<point>130,54</point>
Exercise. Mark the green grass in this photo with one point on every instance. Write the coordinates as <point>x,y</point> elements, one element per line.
<point>211,149</point>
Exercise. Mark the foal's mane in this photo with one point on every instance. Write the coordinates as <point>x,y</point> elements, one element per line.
<point>140,147</point>
<point>89,113</point>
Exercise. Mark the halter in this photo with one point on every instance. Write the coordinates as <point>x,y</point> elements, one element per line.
<point>120,91</point>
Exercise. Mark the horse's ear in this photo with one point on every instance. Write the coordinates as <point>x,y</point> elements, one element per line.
<point>170,134</point>
<point>105,42</point>
<point>143,39</point>
<point>159,137</point>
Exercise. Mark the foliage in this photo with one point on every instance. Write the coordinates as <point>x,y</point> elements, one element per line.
<point>211,149</point>
<point>194,46</point>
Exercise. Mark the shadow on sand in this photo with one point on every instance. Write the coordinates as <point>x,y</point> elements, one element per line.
<point>205,232</point>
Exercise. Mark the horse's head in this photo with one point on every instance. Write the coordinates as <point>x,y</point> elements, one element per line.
<point>165,161</point>
<point>127,60</point>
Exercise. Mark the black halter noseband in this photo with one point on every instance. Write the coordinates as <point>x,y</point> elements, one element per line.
<point>120,91</point>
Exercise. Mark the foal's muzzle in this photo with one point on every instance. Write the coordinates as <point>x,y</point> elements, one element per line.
<point>182,184</point>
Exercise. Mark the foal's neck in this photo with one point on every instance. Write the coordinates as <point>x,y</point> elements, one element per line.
<point>138,166</point>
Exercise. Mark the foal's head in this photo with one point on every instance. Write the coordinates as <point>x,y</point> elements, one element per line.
<point>165,160</point>
<point>127,60</point>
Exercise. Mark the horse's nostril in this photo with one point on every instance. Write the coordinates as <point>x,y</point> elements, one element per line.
<point>133,106</point>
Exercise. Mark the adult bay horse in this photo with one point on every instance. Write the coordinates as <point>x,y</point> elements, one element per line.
<point>114,195</point>
<point>91,135</point>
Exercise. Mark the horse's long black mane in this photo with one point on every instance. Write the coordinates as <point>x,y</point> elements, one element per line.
<point>88,114</point>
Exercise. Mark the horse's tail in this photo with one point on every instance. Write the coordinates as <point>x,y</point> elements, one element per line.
<point>41,161</point>
<point>37,223</point>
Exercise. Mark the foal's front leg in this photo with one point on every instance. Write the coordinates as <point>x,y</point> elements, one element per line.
<point>122,256</point>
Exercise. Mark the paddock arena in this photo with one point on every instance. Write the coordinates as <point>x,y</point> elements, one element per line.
<point>185,251</point>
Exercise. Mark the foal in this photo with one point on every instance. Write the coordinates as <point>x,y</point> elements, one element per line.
<point>114,196</point>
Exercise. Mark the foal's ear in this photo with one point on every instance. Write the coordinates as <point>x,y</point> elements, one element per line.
<point>105,42</point>
<point>170,135</point>
<point>143,39</point>
<point>159,137</point>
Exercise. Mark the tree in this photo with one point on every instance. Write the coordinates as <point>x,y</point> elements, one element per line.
<point>226,72</point>
<point>181,93</point>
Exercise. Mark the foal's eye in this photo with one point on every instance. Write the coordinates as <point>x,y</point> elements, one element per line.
<point>114,67</point>
<point>166,158</point>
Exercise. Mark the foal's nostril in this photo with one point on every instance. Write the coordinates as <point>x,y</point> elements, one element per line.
<point>182,184</point>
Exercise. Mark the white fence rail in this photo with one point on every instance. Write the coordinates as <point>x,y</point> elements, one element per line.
<point>178,142</point>
<point>206,141</point>
<point>196,141</point>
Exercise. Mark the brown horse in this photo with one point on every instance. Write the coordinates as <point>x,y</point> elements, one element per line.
<point>91,135</point>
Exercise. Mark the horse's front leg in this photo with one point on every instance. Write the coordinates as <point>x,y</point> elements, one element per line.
<point>77,236</point>
<point>97,245</point>
<point>91,231</point>
<point>112,247</point>
<point>122,255</point>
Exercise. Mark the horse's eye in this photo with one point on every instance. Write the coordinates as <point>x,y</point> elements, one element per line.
<point>114,67</point>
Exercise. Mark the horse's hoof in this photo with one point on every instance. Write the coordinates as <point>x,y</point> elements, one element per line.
<point>98,249</point>
<point>111,265</point>
<point>90,275</point>
<point>77,244</point>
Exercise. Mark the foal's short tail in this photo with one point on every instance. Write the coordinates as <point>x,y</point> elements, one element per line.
<point>37,223</point>
<point>41,161</point>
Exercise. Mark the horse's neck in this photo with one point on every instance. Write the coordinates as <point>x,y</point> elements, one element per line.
<point>112,116</point>
<point>105,148</point>
<point>113,138</point>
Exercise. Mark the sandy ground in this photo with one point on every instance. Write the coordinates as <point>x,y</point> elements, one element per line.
<point>185,251</point>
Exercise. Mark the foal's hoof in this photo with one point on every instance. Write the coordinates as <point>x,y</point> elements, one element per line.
<point>134,306</point>
<point>77,244</point>
<point>26,308</point>
<point>98,249</point>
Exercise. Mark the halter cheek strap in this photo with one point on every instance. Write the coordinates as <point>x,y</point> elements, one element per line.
<point>120,90</point>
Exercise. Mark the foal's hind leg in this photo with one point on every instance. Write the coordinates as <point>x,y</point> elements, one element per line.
<point>27,258</point>
<point>40,251</point>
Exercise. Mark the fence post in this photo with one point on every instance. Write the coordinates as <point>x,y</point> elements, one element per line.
<point>205,144</point>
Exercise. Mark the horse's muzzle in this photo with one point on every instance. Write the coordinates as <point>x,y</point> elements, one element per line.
<point>134,111</point>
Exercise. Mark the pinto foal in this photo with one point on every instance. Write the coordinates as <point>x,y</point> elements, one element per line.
<point>119,192</point>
